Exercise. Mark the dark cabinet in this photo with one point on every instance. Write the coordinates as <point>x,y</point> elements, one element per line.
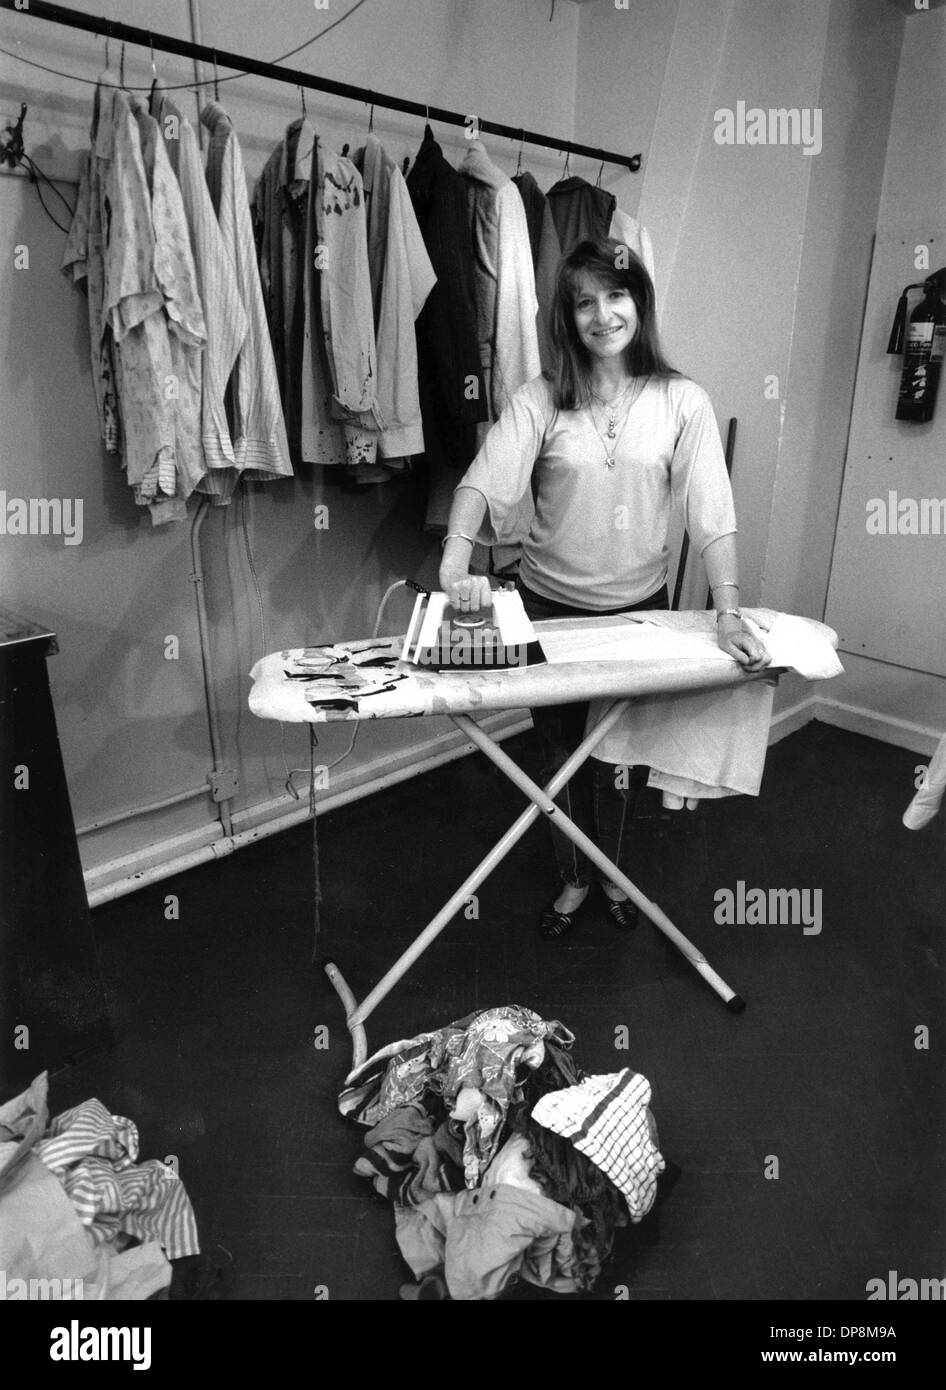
<point>52,999</point>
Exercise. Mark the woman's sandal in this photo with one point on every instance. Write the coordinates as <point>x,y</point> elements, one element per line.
<point>623,912</point>
<point>555,924</point>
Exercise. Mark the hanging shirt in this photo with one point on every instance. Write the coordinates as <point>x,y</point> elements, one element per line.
<point>176,275</point>
<point>598,538</point>
<point>133,308</point>
<point>452,387</point>
<point>581,211</point>
<point>506,309</point>
<point>224,316</point>
<point>546,254</point>
<point>506,302</point>
<point>347,312</point>
<point>401,278</point>
<point>84,258</point>
<point>266,210</point>
<point>279,207</point>
<point>322,437</point>
<point>257,426</point>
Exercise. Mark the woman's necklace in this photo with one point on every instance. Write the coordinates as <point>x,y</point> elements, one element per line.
<point>613,433</point>
<point>612,406</point>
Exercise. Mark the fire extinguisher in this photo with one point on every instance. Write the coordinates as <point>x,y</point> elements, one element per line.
<point>924,350</point>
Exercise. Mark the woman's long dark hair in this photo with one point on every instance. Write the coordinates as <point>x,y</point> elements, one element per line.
<point>613,264</point>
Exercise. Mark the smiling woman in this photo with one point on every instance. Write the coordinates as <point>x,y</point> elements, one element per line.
<point>607,441</point>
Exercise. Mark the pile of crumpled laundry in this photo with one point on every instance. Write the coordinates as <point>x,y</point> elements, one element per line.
<point>503,1160</point>
<point>78,1214</point>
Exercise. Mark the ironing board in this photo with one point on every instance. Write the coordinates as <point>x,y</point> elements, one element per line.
<point>610,658</point>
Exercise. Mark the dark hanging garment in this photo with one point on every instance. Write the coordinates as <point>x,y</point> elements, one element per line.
<point>279,209</point>
<point>453,395</point>
<point>546,253</point>
<point>581,211</point>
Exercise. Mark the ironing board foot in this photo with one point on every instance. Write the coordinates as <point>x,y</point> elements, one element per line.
<point>350,1004</point>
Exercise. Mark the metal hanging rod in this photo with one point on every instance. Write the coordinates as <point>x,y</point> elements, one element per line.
<point>166,43</point>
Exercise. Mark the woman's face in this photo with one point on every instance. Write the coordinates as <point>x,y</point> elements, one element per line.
<point>605,317</point>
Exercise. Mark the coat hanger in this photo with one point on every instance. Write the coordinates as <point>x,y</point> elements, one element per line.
<point>121,68</point>
<point>600,172</point>
<point>216,81</point>
<point>305,113</point>
<point>522,136</point>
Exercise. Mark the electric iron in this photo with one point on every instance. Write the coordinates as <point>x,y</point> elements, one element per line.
<point>498,639</point>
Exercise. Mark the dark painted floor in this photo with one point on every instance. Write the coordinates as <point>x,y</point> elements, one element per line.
<point>216,1015</point>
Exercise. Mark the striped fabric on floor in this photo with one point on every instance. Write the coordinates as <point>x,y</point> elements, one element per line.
<point>93,1155</point>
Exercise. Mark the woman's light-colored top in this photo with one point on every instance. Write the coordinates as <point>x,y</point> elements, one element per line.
<point>599,537</point>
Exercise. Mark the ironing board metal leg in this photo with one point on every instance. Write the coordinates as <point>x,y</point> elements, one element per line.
<point>542,803</point>
<point>495,856</point>
<point>540,798</point>
<point>350,1004</point>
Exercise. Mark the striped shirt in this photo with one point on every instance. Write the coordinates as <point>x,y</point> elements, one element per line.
<point>93,1154</point>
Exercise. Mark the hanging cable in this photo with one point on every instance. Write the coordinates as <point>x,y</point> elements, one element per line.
<point>14,154</point>
<point>185,86</point>
<point>398,584</point>
<point>34,170</point>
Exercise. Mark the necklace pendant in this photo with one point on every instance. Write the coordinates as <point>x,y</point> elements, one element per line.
<point>609,461</point>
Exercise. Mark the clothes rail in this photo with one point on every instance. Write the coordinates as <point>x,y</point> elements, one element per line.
<point>166,43</point>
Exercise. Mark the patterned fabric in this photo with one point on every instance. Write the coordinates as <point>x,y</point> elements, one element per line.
<point>479,1055</point>
<point>84,258</point>
<point>93,1155</point>
<point>606,1118</point>
<point>347,312</point>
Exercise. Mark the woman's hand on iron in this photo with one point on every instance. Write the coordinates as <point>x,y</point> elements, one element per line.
<point>740,644</point>
<point>467,593</point>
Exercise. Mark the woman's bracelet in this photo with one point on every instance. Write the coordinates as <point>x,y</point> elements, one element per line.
<point>729,613</point>
<point>724,584</point>
<point>457,536</point>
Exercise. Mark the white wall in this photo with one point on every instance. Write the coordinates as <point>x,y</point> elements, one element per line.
<point>903,703</point>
